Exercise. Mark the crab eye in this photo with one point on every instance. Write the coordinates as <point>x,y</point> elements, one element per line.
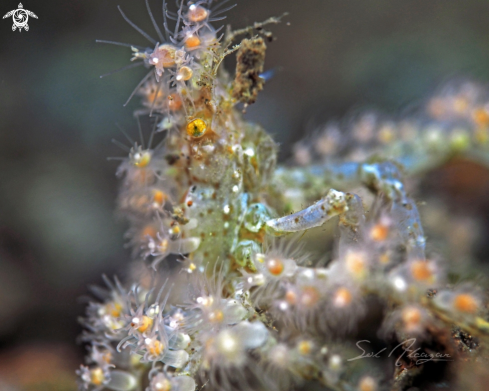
<point>196,128</point>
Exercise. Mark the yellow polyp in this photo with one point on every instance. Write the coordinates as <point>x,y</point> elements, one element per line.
<point>141,159</point>
<point>155,347</point>
<point>163,385</point>
<point>114,309</point>
<point>163,245</point>
<point>146,323</point>
<point>196,128</point>
<point>97,376</point>
<point>304,347</point>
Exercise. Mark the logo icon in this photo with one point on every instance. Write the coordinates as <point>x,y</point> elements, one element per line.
<point>20,16</point>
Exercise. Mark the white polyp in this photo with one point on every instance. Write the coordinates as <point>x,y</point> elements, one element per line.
<point>185,383</point>
<point>226,209</point>
<point>252,334</point>
<point>399,283</point>
<point>176,358</point>
<point>121,381</point>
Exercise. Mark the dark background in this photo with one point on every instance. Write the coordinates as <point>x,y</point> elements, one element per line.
<point>58,230</point>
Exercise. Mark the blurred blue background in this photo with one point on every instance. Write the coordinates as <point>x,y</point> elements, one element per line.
<point>58,229</point>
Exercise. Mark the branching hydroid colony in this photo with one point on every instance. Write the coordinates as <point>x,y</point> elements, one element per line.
<point>215,298</point>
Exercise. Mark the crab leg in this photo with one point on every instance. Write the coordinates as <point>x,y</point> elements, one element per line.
<point>383,178</point>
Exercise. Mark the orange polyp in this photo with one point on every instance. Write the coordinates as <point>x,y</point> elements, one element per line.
<point>355,263</point>
<point>275,266</point>
<point>216,316</point>
<point>114,309</point>
<point>420,270</point>
<point>304,347</point>
<point>411,317</point>
<point>159,197</point>
<point>379,232</point>
<point>481,116</point>
<point>342,297</point>
<point>145,324</point>
<point>155,347</point>
<point>185,73</point>
<point>196,13</point>
<point>465,302</point>
<point>154,95</point>
<point>174,102</point>
<point>97,376</point>
<point>192,42</point>
<point>163,56</point>
<point>367,383</point>
<point>290,297</point>
<point>150,231</point>
<point>309,296</point>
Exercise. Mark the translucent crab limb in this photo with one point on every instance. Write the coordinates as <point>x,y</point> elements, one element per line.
<point>314,216</point>
<point>382,178</point>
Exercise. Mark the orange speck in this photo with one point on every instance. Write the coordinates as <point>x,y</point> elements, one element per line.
<point>367,383</point>
<point>159,197</point>
<point>342,297</point>
<point>420,270</point>
<point>465,302</point>
<point>174,102</point>
<point>355,263</point>
<point>481,116</point>
<point>190,203</point>
<point>197,13</point>
<point>275,266</point>
<point>379,232</point>
<point>290,297</point>
<point>309,296</point>
<point>216,316</point>
<point>411,317</point>
<point>150,231</point>
<point>192,42</point>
